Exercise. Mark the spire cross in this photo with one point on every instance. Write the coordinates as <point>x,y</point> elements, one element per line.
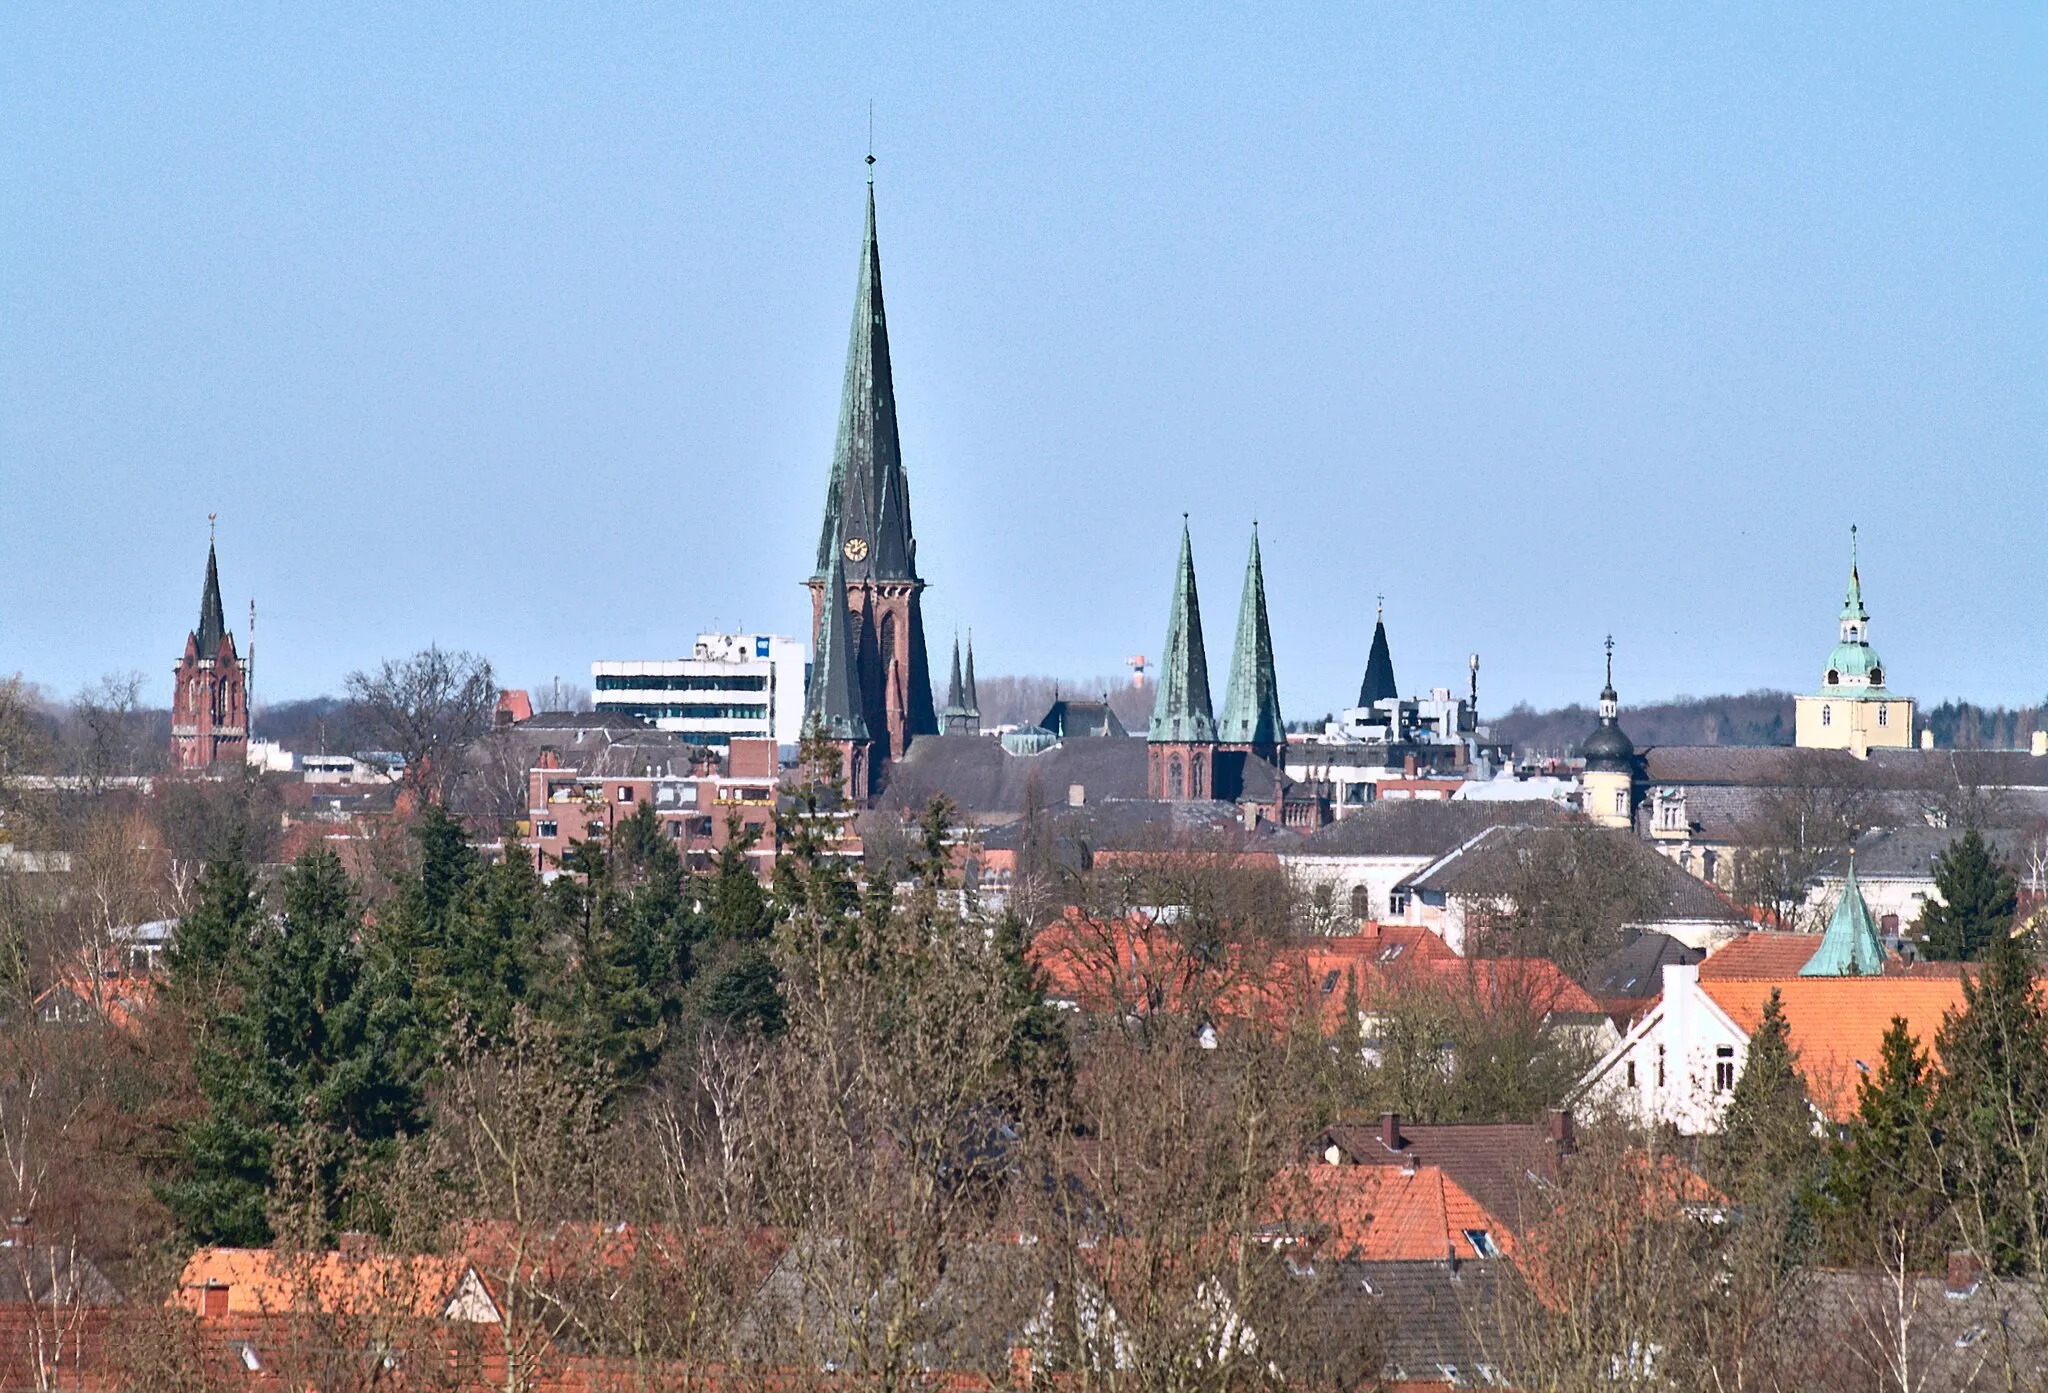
<point>209,527</point>
<point>871,143</point>
<point>1610,660</point>
<point>1379,609</point>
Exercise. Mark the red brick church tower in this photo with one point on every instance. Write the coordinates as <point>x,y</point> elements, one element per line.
<point>867,556</point>
<point>210,705</point>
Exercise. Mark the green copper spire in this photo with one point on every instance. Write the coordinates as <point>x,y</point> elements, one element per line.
<point>956,700</point>
<point>833,707</point>
<point>1852,602</point>
<point>867,501</point>
<point>973,700</point>
<point>1251,704</point>
<point>1181,711</point>
<point>1850,947</point>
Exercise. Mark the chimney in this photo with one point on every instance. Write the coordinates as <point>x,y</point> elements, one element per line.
<point>1077,795</point>
<point>21,1232</point>
<point>1020,1366</point>
<point>1964,1269</point>
<point>1390,1131</point>
<point>1408,765</point>
<point>1561,1130</point>
<point>2038,747</point>
<point>357,1245</point>
<point>1926,738</point>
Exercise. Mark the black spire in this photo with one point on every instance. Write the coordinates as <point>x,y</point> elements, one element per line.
<point>955,701</point>
<point>213,621</point>
<point>1379,667</point>
<point>973,702</point>
<point>867,502</point>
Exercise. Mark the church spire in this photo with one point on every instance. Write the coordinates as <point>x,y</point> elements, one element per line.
<point>834,708</point>
<point>1251,704</point>
<point>1379,665</point>
<point>213,622</point>
<point>973,700</point>
<point>955,697</point>
<point>1181,712</point>
<point>1850,947</point>
<point>867,502</point>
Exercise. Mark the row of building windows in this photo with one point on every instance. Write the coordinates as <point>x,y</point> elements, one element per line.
<point>683,682</point>
<point>1884,713</point>
<point>708,711</point>
<point>1724,1068</point>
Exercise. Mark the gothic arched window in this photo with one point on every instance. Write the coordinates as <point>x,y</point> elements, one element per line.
<point>1195,779</point>
<point>1173,777</point>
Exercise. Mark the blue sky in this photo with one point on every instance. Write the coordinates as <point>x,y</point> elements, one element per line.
<point>519,328</point>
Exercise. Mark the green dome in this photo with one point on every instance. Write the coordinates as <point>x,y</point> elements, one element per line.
<point>1854,665</point>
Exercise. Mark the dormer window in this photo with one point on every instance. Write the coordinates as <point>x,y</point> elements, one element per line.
<point>1834,677</point>
<point>1877,677</point>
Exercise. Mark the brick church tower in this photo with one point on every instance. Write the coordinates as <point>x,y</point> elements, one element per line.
<point>868,553</point>
<point>210,704</point>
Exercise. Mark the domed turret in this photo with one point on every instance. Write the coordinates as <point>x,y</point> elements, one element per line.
<point>1609,779</point>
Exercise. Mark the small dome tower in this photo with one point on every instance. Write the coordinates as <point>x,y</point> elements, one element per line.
<point>1610,777</point>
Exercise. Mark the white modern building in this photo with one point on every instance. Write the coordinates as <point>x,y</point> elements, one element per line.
<point>732,686</point>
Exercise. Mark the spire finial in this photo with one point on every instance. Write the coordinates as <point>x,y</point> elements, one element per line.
<point>1852,547</point>
<point>210,517</point>
<point>1379,608</point>
<point>1610,660</point>
<point>871,143</point>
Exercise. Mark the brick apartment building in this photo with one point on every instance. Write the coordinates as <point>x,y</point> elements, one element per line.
<point>574,792</point>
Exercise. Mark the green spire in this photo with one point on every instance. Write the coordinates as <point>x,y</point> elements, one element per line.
<point>867,501</point>
<point>955,699</point>
<point>972,700</point>
<point>1251,704</point>
<point>833,706</point>
<point>1852,602</point>
<point>1181,711</point>
<point>1850,947</point>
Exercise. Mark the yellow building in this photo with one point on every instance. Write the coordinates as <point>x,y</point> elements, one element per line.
<point>1607,787</point>
<point>1853,710</point>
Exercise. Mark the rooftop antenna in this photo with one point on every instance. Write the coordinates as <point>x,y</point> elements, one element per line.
<point>1473,663</point>
<point>871,142</point>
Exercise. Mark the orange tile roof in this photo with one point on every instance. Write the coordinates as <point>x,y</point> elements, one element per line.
<point>260,1282</point>
<point>1759,956</point>
<point>1835,1023</point>
<point>1381,1213</point>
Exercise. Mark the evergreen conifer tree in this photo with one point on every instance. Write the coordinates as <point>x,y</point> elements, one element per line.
<point>307,1044</point>
<point>215,935</point>
<point>1767,1145</point>
<point>1989,1107</point>
<point>1979,895</point>
<point>1884,1178</point>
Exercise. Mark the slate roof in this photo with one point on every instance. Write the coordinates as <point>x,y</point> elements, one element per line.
<point>48,1274</point>
<point>1764,765</point>
<point>1839,1325</point>
<point>1474,870</point>
<point>1908,853</point>
<point>1635,971</point>
<point>1420,827</point>
<point>1082,718</point>
<point>985,781</point>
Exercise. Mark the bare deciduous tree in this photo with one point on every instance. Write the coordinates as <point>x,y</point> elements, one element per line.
<point>426,709</point>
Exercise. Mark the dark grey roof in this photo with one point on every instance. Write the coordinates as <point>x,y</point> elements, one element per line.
<point>606,721</point>
<point>1908,852</point>
<point>1636,969</point>
<point>1609,750</point>
<point>1140,824</point>
<point>1476,869</point>
<point>1898,769</point>
<point>1420,827</point>
<point>984,781</point>
<point>2000,768</point>
<point>52,1274</point>
<point>1833,1327</point>
<point>1064,718</point>
<point>1735,764</point>
<point>1355,1323</point>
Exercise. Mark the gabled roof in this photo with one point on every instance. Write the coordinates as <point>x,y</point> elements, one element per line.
<point>1066,718</point>
<point>1497,1163</point>
<point>1251,705</point>
<point>1391,1213</point>
<point>867,502</point>
<point>1182,711</point>
<point>1635,971</point>
<point>261,1282</point>
<point>1761,956</point>
<point>1420,827</point>
<point>52,1274</point>
<point>1837,1024</point>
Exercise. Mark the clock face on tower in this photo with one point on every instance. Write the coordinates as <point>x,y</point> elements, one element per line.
<point>856,549</point>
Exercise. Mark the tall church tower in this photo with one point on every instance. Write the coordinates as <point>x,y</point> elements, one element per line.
<point>210,703</point>
<point>1853,710</point>
<point>1251,705</point>
<point>1180,744</point>
<point>1609,782</point>
<point>866,549</point>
